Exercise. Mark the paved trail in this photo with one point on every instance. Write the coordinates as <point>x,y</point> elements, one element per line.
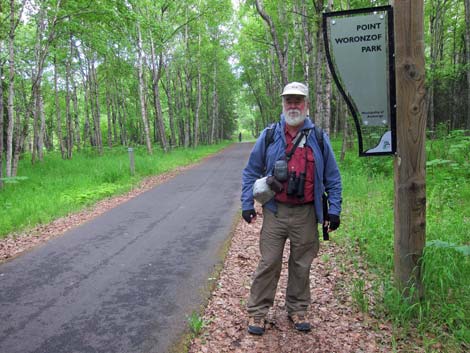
<point>125,281</point>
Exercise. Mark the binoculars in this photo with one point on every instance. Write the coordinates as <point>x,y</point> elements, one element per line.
<point>296,185</point>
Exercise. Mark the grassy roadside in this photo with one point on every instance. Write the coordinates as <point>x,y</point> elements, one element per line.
<point>442,319</point>
<point>56,187</point>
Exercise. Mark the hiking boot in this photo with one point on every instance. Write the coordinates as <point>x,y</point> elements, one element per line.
<point>256,325</point>
<point>300,322</point>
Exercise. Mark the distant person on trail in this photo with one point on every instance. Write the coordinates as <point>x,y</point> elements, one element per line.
<point>240,137</point>
<point>290,167</point>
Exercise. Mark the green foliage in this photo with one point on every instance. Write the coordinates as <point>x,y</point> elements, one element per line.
<point>443,315</point>
<point>196,323</point>
<point>359,295</point>
<point>57,187</point>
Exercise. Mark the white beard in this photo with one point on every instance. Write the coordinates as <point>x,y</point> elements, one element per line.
<point>294,117</point>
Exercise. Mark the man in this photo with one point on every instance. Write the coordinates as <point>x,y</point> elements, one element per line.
<point>298,173</point>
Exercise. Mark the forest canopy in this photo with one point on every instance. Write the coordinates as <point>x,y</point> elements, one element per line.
<point>90,74</point>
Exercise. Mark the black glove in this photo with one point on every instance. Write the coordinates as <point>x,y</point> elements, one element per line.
<point>274,184</point>
<point>334,221</point>
<point>248,215</point>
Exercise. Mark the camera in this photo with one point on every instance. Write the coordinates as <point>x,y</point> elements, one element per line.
<point>280,171</point>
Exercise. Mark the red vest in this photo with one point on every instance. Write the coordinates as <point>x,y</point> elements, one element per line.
<point>301,161</point>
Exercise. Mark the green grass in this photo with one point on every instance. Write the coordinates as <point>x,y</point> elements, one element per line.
<point>57,187</point>
<point>442,319</point>
<point>196,323</point>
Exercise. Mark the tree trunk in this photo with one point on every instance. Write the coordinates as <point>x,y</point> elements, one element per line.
<point>437,37</point>
<point>86,127</point>
<point>42,127</point>
<point>214,108</point>
<point>338,100</point>
<point>36,86</point>
<point>75,115</point>
<point>123,119</point>
<point>318,116</point>
<point>68,115</point>
<point>344,143</point>
<point>18,144</point>
<point>467,58</point>
<point>327,92</point>
<point>281,56</point>
<point>110,119</point>
<point>156,75</point>
<point>309,63</point>
<point>179,102</point>
<point>11,91</point>
<point>49,134</point>
<point>21,131</point>
<point>169,97</point>
<point>95,105</point>
<point>36,122</point>
<point>58,111</point>
<point>199,98</point>
<point>187,121</point>
<point>143,107</point>
<point>114,114</point>
<point>1,120</point>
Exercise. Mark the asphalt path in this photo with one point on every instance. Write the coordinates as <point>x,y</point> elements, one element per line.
<point>127,280</point>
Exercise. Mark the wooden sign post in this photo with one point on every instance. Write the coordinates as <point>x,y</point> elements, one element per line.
<point>410,160</point>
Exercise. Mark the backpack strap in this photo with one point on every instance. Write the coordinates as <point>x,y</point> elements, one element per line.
<point>319,136</point>
<point>269,137</point>
<point>300,136</point>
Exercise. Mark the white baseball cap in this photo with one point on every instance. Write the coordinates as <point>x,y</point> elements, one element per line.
<point>295,88</point>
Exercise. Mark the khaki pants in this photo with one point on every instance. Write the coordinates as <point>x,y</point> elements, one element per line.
<point>299,225</point>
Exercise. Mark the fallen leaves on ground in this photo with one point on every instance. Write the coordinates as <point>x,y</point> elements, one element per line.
<point>337,325</point>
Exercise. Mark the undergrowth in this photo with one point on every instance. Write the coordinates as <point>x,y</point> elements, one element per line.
<point>441,320</point>
<point>55,187</point>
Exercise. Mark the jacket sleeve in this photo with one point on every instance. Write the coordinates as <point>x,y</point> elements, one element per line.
<point>332,178</point>
<point>253,171</point>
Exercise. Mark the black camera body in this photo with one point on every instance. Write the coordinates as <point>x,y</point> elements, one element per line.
<point>280,171</point>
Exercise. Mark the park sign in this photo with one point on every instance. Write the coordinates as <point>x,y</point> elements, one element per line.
<point>360,52</point>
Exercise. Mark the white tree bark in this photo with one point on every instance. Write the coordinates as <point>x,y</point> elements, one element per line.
<point>156,74</point>
<point>215,108</point>
<point>42,127</point>
<point>281,54</point>
<point>169,96</point>
<point>58,112</point>
<point>11,91</point>
<point>199,99</point>
<point>143,108</point>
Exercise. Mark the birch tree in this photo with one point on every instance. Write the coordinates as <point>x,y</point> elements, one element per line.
<point>467,57</point>
<point>280,52</point>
